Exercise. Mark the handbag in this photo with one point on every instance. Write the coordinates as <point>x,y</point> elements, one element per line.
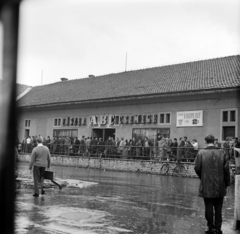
<point>48,175</point>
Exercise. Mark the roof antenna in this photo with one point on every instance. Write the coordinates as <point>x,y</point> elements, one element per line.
<point>126,63</point>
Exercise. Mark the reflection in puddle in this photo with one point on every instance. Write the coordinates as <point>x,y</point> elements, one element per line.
<point>114,203</point>
<point>58,219</point>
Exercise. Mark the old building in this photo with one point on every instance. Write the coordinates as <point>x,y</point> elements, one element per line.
<point>190,99</point>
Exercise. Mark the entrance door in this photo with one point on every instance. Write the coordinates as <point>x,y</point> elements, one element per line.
<point>109,133</point>
<point>103,133</point>
<point>97,133</point>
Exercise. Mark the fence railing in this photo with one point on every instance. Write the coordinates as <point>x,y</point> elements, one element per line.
<point>183,154</point>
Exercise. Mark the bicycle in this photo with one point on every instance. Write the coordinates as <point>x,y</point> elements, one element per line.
<point>178,168</point>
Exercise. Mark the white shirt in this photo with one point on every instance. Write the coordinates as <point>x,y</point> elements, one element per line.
<point>195,146</point>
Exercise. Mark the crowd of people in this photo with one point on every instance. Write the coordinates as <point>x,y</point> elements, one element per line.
<point>141,148</point>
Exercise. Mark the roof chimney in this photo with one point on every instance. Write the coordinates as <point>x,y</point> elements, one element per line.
<point>64,79</point>
<point>91,76</point>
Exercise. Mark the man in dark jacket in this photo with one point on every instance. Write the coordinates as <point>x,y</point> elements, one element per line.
<point>211,165</point>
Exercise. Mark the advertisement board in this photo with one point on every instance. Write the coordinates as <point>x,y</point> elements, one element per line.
<point>190,118</point>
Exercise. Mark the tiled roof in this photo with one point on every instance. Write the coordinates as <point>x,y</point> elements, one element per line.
<point>20,88</point>
<point>207,74</point>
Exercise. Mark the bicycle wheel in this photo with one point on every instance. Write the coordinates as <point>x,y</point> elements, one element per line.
<point>178,168</point>
<point>165,168</point>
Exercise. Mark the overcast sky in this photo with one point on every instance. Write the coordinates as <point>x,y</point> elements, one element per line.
<point>76,38</point>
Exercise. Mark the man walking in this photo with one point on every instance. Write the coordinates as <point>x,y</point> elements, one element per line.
<point>40,159</point>
<point>211,165</point>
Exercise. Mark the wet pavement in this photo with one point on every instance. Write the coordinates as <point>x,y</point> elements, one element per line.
<point>115,202</point>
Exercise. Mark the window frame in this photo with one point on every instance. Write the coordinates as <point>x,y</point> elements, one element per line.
<point>57,126</point>
<point>165,118</point>
<point>228,123</point>
<point>29,123</point>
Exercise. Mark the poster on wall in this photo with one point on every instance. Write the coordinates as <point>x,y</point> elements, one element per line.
<point>190,118</point>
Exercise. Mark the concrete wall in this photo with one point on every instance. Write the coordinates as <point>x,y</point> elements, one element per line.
<point>42,120</point>
<point>136,166</point>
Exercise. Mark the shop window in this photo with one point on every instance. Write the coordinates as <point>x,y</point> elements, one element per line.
<point>65,132</point>
<point>27,123</point>
<point>164,118</point>
<point>151,133</point>
<point>229,126</point>
<point>57,122</point>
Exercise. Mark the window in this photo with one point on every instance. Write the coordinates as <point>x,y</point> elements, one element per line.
<point>225,116</point>
<point>232,116</point>
<point>164,118</point>
<point>57,122</point>
<point>27,123</point>
<point>228,123</point>
<point>65,132</point>
<point>150,133</point>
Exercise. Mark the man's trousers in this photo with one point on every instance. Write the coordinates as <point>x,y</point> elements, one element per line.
<point>213,212</point>
<point>38,177</point>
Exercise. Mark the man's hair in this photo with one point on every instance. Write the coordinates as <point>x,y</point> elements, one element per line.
<point>236,138</point>
<point>185,137</point>
<point>39,139</point>
<point>209,138</point>
<point>175,139</point>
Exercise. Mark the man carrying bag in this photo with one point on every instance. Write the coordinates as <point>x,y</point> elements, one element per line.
<point>40,159</point>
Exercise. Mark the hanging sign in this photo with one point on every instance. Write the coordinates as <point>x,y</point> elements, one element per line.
<point>190,118</point>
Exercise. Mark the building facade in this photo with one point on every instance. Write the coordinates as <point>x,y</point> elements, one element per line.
<point>190,99</point>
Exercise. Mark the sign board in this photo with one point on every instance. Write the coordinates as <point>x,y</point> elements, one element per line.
<point>190,118</point>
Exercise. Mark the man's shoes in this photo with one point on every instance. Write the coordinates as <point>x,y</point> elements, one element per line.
<point>43,192</point>
<point>36,195</point>
<point>218,231</point>
<point>210,231</point>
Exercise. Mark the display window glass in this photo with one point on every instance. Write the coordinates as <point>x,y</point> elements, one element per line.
<point>151,133</point>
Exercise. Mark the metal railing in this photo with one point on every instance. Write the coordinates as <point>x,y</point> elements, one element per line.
<point>183,154</point>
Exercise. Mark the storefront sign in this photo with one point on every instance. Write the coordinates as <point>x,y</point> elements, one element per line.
<point>190,118</point>
<point>110,120</point>
<point>119,120</point>
<point>74,121</point>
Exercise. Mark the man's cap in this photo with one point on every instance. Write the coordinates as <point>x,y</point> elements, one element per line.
<point>209,137</point>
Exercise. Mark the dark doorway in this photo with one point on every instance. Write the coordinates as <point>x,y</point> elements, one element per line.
<point>109,133</point>
<point>103,133</point>
<point>228,132</point>
<point>97,133</point>
<point>27,133</point>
